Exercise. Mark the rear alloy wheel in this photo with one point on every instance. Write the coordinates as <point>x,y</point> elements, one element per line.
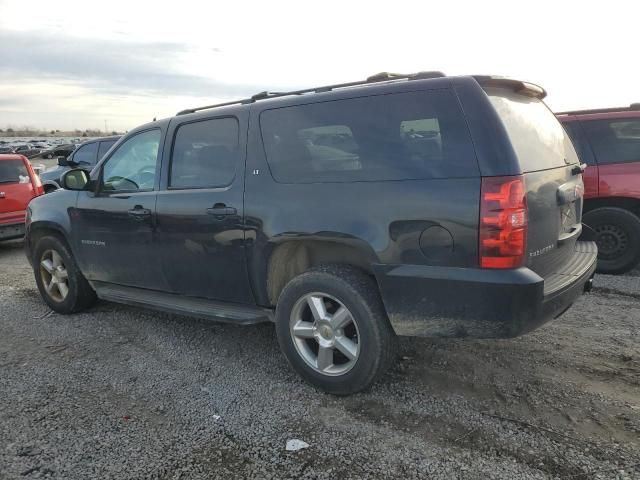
<point>333,329</point>
<point>325,334</point>
<point>618,237</point>
<point>60,282</point>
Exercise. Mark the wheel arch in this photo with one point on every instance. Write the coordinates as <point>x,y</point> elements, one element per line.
<point>290,258</point>
<point>627,203</point>
<point>40,229</point>
<point>50,186</point>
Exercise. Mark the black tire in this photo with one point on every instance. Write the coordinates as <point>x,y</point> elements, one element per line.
<point>80,294</point>
<point>375,337</point>
<point>618,238</point>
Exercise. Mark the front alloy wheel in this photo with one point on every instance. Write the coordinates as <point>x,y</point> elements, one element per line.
<point>54,275</point>
<point>61,284</point>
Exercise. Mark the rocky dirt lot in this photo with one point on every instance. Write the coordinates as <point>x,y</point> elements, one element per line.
<point>118,392</point>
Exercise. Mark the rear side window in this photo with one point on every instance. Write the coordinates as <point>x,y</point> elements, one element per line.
<point>86,154</point>
<point>582,148</point>
<point>104,148</point>
<point>205,154</point>
<point>402,136</point>
<point>614,141</point>
<point>537,137</point>
<point>13,171</point>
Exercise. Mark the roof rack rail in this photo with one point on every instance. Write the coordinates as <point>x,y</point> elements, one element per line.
<point>378,77</point>
<point>631,108</point>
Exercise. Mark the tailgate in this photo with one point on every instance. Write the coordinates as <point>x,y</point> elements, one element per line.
<point>554,200</point>
<point>552,174</point>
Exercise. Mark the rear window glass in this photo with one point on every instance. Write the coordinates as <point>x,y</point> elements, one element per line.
<point>401,136</point>
<point>13,171</point>
<point>537,137</point>
<point>614,141</point>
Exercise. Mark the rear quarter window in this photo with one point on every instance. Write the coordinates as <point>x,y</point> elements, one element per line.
<point>614,141</point>
<point>402,136</point>
<point>535,133</point>
<point>13,171</point>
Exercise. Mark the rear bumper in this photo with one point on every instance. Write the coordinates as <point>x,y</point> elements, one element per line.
<point>11,231</point>
<point>480,303</point>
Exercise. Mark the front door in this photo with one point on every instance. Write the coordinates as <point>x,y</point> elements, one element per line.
<point>113,226</point>
<point>200,210</point>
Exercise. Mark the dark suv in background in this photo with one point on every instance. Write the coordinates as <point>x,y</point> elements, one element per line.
<point>348,214</point>
<point>608,141</point>
<point>85,156</point>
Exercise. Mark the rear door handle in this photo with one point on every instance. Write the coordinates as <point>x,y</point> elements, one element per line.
<point>139,213</point>
<point>221,210</point>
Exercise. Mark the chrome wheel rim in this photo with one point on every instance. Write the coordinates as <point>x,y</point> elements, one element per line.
<point>54,275</point>
<point>325,334</point>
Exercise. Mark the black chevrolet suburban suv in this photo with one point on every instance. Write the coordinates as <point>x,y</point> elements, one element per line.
<point>349,214</point>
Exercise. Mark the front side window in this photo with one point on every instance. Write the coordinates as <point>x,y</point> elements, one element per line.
<point>614,141</point>
<point>401,136</point>
<point>133,165</point>
<point>205,154</point>
<point>86,154</point>
<point>13,171</point>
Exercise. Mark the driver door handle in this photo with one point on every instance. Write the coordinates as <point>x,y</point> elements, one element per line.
<point>139,213</point>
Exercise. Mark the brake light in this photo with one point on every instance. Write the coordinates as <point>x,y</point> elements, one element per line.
<point>38,189</point>
<point>503,222</point>
<point>37,185</point>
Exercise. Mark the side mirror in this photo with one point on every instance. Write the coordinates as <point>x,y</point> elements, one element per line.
<point>76,179</point>
<point>63,162</point>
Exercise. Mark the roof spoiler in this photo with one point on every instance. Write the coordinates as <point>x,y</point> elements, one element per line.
<point>518,86</point>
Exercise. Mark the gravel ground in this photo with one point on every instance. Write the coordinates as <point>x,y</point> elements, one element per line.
<point>118,392</point>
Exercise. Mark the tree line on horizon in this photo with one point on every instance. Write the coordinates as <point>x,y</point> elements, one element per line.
<point>34,132</point>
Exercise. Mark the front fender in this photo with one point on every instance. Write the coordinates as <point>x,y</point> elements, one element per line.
<point>50,213</point>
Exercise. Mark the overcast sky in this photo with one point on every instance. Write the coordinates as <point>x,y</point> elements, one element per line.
<point>74,64</point>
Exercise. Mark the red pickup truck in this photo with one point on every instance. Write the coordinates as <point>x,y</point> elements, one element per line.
<point>18,185</point>
<point>608,141</point>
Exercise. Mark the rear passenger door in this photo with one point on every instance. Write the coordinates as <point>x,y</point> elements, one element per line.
<point>616,146</point>
<point>200,232</point>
